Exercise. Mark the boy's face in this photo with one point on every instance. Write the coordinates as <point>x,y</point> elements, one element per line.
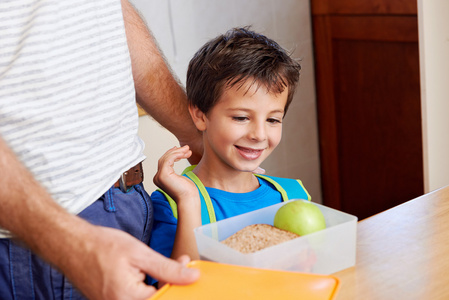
<point>243,128</point>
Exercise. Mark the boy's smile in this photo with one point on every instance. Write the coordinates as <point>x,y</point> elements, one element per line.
<point>249,153</point>
<point>242,129</point>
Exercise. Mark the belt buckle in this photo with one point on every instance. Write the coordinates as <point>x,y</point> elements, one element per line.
<point>122,182</point>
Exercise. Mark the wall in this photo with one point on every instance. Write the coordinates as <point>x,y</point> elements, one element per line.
<point>434,68</point>
<point>182,26</point>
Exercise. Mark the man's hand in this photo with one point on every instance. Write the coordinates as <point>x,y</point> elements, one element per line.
<point>110,264</point>
<point>103,263</point>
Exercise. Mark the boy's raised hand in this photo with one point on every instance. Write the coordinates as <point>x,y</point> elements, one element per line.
<point>177,186</point>
<point>187,198</point>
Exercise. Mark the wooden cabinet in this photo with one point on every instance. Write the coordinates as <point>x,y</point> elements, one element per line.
<point>368,101</point>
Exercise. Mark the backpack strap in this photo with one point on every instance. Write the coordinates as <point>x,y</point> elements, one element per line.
<point>289,188</point>
<point>171,202</point>
<point>205,198</point>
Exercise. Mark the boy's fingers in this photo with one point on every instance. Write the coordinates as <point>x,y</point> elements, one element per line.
<point>259,170</point>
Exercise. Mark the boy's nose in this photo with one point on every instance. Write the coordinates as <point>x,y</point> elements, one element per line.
<point>258,132</point>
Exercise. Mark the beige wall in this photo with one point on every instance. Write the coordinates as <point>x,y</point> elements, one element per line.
<point>434,63</point>
<point>182,26</point>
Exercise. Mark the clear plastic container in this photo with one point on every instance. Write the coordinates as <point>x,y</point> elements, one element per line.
<point>323,252</point>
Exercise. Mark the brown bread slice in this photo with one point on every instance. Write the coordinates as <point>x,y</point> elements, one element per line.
<point>256,237</point>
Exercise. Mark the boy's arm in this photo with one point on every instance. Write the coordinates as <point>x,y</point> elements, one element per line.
<point>185,194</point>
<point>158,92</point>
<point>189,217</point>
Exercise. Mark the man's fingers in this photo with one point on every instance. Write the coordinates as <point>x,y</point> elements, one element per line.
<point>143,291</point>
<point>170,271</point>
<point>183,259</point>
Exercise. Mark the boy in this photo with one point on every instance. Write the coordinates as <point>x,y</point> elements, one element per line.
<point>239,87</point>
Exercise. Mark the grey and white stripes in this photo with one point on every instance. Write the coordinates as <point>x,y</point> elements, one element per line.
<point>67,99</point>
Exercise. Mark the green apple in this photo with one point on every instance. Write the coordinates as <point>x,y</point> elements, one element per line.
<point>300,217</point>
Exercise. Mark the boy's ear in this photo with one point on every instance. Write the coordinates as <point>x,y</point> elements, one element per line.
<point>198,117</point>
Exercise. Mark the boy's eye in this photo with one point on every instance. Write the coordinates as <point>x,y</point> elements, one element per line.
<point>274,121</point>
<point>240,118</point>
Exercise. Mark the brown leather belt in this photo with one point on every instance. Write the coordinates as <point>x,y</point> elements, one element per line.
<point>131,177</point>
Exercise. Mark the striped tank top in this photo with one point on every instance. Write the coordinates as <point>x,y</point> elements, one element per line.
<point>67,98</point>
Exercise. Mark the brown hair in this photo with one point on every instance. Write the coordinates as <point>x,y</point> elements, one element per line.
<point>233,58</point>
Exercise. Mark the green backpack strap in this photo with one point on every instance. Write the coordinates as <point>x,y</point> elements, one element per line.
<point>205,197</point>
<point>289,188</point>
<point>171,202</point>
<point>188,169</point>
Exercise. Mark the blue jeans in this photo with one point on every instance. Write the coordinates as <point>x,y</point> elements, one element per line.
<point>24,275</point>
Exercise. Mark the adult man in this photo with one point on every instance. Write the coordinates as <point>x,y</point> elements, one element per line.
<point>67,132</point>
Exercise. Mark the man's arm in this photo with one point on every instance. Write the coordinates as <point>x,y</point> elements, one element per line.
<point>82,251</point>
<point>158,92</point>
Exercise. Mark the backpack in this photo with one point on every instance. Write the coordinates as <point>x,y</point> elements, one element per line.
<point>289,189</point>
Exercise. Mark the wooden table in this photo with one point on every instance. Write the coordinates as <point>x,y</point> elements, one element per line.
<point>402,253</point>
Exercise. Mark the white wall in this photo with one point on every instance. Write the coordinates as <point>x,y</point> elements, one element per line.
<point>434,64</point>
<point>182,26</point>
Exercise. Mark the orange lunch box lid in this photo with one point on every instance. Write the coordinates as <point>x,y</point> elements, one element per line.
<point>223,281</point>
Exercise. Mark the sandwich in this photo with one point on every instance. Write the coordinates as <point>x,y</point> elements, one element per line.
<point>256,237</point>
